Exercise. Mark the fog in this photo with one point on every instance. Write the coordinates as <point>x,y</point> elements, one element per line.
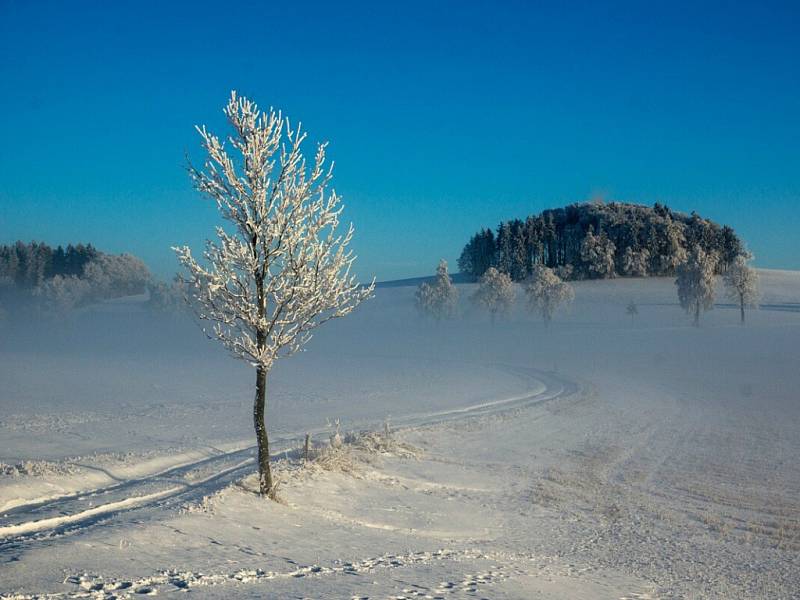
<point>697,423</point>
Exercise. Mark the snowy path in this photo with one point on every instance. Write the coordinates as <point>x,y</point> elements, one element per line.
<point>170,489</point>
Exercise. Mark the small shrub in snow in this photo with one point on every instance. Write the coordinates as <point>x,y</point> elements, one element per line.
<point>37,468</point>
<point>374,442</point>
<point>336,438</point>
<point>354,449</point>
<point>632,310</point>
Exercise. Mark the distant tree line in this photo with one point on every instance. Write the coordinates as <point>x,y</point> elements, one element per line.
<point>599,240</point>
<point>56,280</point>
<point>27,266</point>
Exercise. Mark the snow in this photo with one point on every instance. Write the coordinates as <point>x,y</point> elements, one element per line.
<point>602,457</point>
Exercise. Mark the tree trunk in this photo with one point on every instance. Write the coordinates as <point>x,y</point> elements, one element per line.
<point>741,308</point>
<point>697,314</point>
<point>264,473</point>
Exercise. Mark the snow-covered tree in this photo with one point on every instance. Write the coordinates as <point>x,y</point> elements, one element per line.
<point>741,283</point>
<point>634,262</point>
<point>112,276</point>
<point>546,293</point>
<point>440,298</point>
<point>564,272</point>
<point>60,295</point>
<point>495,292</point>
<point>166,297</point>
<point>696,282</point>
<point>671,241</point>
<point>597,251</point>
<point>281,268</point>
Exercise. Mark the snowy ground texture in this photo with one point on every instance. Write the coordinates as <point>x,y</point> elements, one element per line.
<point>604,457</point>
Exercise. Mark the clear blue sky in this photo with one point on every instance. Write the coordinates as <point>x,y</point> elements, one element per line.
<point>442,117</point>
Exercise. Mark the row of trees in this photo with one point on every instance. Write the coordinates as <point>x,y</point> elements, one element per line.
<point>546,292</point>
<point>496,294</point>
<point>598,240</point>
<point>696,283</point>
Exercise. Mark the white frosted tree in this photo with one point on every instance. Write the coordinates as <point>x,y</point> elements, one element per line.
<point>281,268</point>
<point>597,251</point>
<point>440,298</point>
<point>696,282</point>
<point>564,272</point>
<point>672,252</point>
<point>741,284</point>
<point>495,293</point>
<point>60,295</point>
<point>116,275</point>
<point>634,262</point>
<point>166,297</point>
<point>546,293</point>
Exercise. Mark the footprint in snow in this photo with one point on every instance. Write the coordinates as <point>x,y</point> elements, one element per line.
<point>146,591</point>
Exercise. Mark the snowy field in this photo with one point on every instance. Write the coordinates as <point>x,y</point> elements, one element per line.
<point>603,457</point>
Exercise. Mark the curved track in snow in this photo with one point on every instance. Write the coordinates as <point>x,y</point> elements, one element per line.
<point>68,515</point>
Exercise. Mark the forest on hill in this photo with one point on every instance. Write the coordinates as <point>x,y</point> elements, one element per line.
<point>599,240</point>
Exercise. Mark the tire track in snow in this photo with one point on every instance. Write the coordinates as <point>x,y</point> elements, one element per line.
<point>111,507</point>
<point>72,513</point>
<point>32,505</point>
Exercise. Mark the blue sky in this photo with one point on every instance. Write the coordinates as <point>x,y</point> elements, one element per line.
<point>442,117</point>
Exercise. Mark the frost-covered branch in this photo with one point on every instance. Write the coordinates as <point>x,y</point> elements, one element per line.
<point>283,268</point>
